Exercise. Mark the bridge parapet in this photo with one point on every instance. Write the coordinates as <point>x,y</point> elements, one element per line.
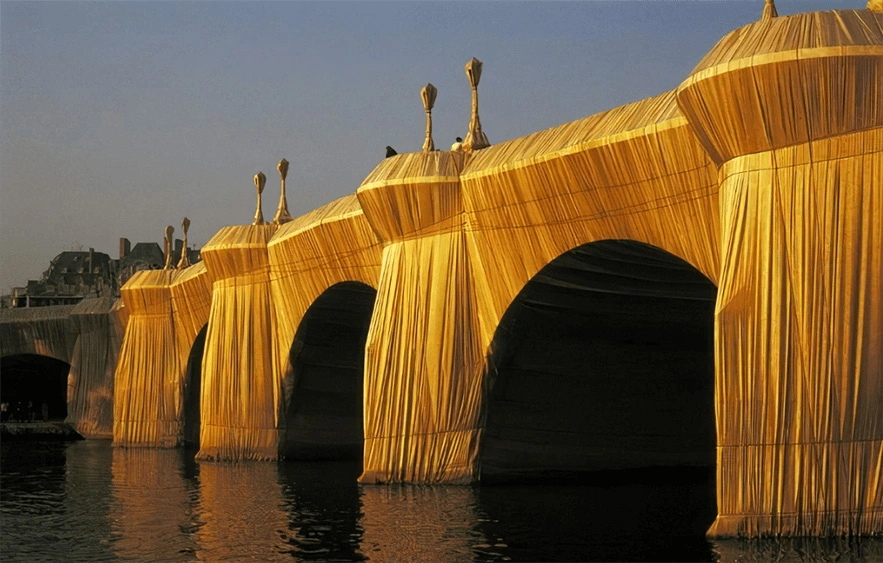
<point>634,172</point>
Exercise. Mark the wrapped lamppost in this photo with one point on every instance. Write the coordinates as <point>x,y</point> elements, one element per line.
<point>259,182</point>
<point>170,230</point>
<point>427,94</point>
<point>282,215</point>
<point>184,261</point>
<point>475,139</point>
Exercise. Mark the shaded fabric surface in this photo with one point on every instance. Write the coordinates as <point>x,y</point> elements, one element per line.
<point>324,414</point>
<point>604,361</point>
<point>38,330</point>
<point>101,325</point>
<point>87,336</point>
<point>311,259</point>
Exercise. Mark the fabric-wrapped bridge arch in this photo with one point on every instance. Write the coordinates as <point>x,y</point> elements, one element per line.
<point>761,174</point>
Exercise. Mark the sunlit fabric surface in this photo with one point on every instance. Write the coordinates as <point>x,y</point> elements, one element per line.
<point>791,109</point>
<point>759,175</point>
<point>146,402</point>
<point>324,257</point>
<point>800,340</point>
<point>240,388</point>
<point>422,368</point>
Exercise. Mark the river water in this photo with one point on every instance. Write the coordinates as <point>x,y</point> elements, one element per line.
<point>87,501</point>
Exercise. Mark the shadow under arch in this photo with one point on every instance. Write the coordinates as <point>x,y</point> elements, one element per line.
<point>323,394</point>
<point>603,362</point>
<point>193,389</point>
<point>28,381</point>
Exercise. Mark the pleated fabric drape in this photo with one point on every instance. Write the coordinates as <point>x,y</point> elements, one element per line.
<point>790,109</point>
<point>762,171</point>
<point>422,364</point>
<point>800,340</point>
<point>634,173</point>
<point>87,336</point>
<point>101,325</point>
<point>240,389</point>
<point>328,246</point>
<point>146,401</point>
<point>191,303</point>
<point>45,331</point>
<point>422,367</point>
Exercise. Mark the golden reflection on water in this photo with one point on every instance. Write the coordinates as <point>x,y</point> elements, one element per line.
<point>240,511</point>
<point>153,504</point>
<point>400,521</point>
<point>86,501</point>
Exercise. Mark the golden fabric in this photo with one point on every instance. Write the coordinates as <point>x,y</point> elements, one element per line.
<point>240,389</point>
<point>329,246</point>
<point>146,395</point>
<point>191,303</point>
<point>785,81</point>
<point>634,172</point>
<point>800,340</point>
<point>761,171</point>
<point>422,368</point>
<point>101,325</point>
<point>87,336</point>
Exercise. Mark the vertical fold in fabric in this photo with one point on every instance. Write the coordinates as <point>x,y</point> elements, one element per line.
<point>146,379</point>
<point>423,367</point>
<point>800,341</point>
<point>239,391</point>
<point>422,362</point>
<point>101,326</point>
<point>308,255</point>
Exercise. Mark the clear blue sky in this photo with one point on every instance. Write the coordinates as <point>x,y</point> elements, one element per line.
<point>119,118</point>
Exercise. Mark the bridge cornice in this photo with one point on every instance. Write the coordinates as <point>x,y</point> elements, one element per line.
<point>414,194</point>
<point>770,84</point>
<point>238,250</point>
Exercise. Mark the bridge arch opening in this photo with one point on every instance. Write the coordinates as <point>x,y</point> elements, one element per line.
<point>604,362</point>
<point>192,390</point>
<point>30,382</point>
<point>324,407</point>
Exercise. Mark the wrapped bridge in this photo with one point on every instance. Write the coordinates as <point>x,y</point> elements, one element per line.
<point>691,279</point>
